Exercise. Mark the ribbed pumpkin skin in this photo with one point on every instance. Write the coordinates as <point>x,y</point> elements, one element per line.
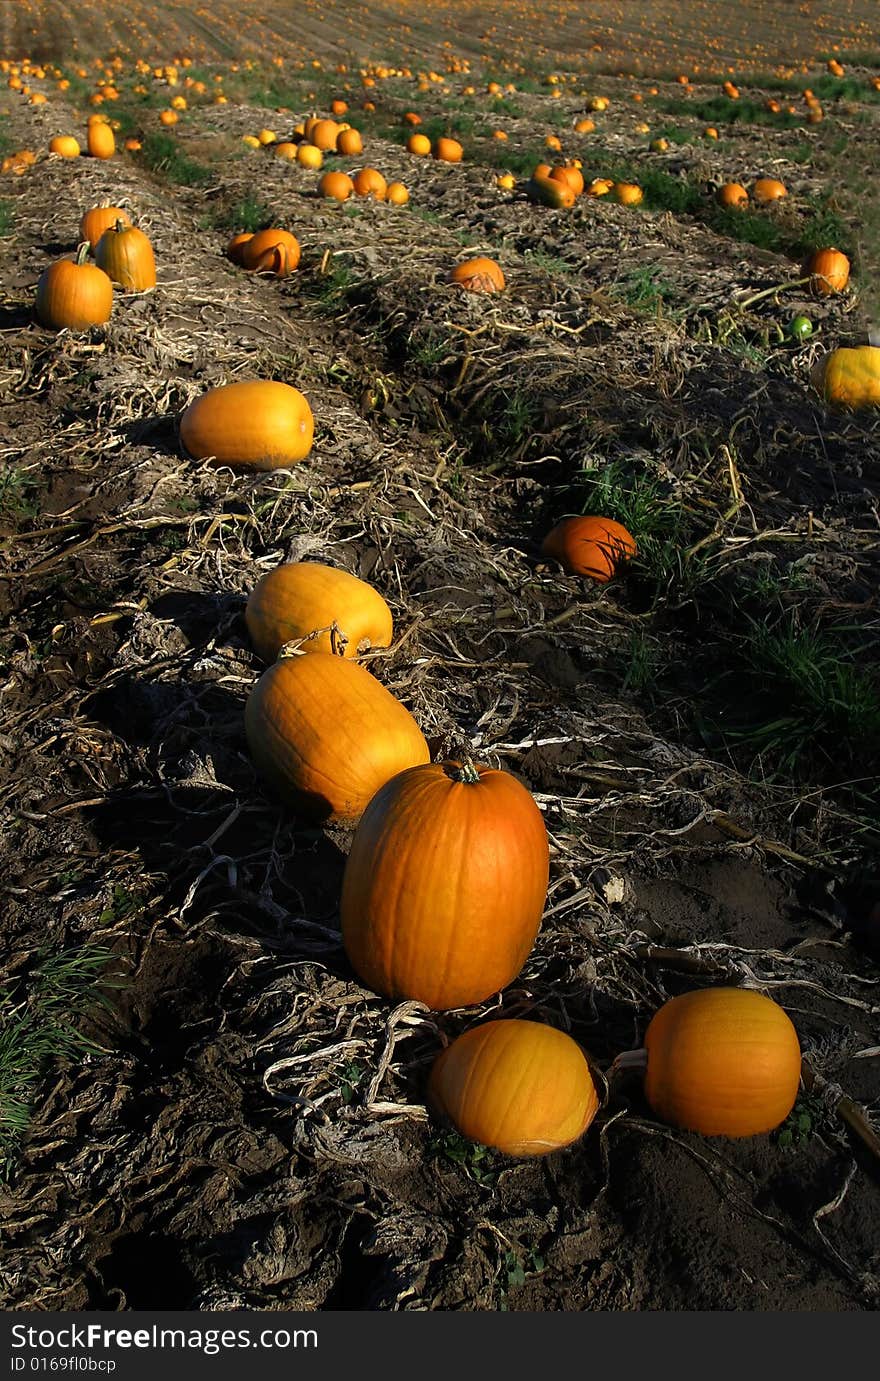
<point>589,545</point>
<point>444,886</point>
<point>829,269</point>
<point>272,251</point>
<point>326,735</point>
<point>523,1088</point>
<point>73,295</point>
<point>126,255</point>
<point>722,1061</point>
<point>264,424</point>
<point>294,600</point>
<point>99,219</point>
<point>850,377</point>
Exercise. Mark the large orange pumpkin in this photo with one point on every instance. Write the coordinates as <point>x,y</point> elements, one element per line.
<point>335,186</point>
<point>767,189</point>
<point>479,275</point>
<point>302,596</point>
<point>74,294</point>
<point>447,150</point>
<point>722,1061</point>
<point>271,251</point>
<point>126,256</point>
<point>262,424</point>
<point>590,545</point>
<point>524,1088</point>
<point>369,182</point>
<point>732,194</point>
<point>828,270</point>
<point>326,735</point>
<point>445,884</point>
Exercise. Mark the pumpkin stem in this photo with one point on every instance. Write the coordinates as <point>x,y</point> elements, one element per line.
<point>630,1059</point>
<point>463,771</point>
<point>82,251</point>
<point>776,288</point>
<point>119,226</point>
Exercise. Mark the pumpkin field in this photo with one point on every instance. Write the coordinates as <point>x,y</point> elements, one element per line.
<point>440,647</point>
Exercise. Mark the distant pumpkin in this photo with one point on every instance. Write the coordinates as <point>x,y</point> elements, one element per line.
<point>592,546</point>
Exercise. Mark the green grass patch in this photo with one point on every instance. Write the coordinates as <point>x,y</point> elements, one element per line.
<point>39,1023</point>
<point>162,154</point>
<point>721,110</point>
<point>6,217</point>
<point>249,214</point>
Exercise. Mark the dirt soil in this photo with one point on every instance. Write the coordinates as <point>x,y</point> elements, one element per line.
<point>252,1132</point>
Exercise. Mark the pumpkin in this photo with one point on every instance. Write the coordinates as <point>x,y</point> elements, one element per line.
<point>849,377</point>
<point>323,135</point>
<point>626,193</point>
<point>397,194</point>
<point>732,194</point>
<point>285,149</point>
<point>100,140</point>
<point>235,248</point>
<point>99,219</point>
<point>721,1061</point>
<point>335,186</point>
<point>479,275</point>
<point>523,1088</point>
<point>271,251</point>
<point>168,117</point>
<point>445,884</point>
<point>584,126</point>
<point>550,191</point>
<point>600,187</point>
<point>126,256</point>
<point>767,189</point>
<point>447,150</point>
<point>74,294</point>
<point>590,546</point>
<point>65,146</point>
<point>369,182</point>
<point>349,143</point>
<point>262,424</point>
<point>828,270</point>
<point>326,735</point>
<point>419,144</point>
<point>567,172</point>
<point>308,156</point>
<point>302,596</point>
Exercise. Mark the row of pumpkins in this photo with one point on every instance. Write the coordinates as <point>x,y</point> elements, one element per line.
<point>445,885</point>
<point>446,879</point>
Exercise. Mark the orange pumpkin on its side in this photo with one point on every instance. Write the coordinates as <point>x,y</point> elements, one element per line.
<point>262,424</point>
<point>301,597</point>
<point>590,545</point>
<point>326,735</point>
<point>445,883</point>
<point>523,1088</point>
<point>271,251</point>
<point>479,275</point>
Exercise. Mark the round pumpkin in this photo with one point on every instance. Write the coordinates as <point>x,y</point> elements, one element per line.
<point>447,150</point>
<point>74,294</point>
<point>397,194</point>
<point>767,189</point>
<point>326,735</point>
<point>302,596</point>
<point>626,193</point>
<point>523,1088</point>
<point>849,377</point>
<point>722,1061</point>
<point>65,146</point>
<point>590,545</point>
<point>308,156</point>
<point>263,424</point>
<point>323,135</point>
<point>419,144</point>
<point>369,182</point>
<point>126,256</point>
<point>445,884</point>
<point>349,142</point>
<point>271,251</point>
<point>335,186</point>
<point>732,194</point>
<point>828,270</point>
<point>99,219</point>
<point>567,172</point>
<point>479,275</point>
